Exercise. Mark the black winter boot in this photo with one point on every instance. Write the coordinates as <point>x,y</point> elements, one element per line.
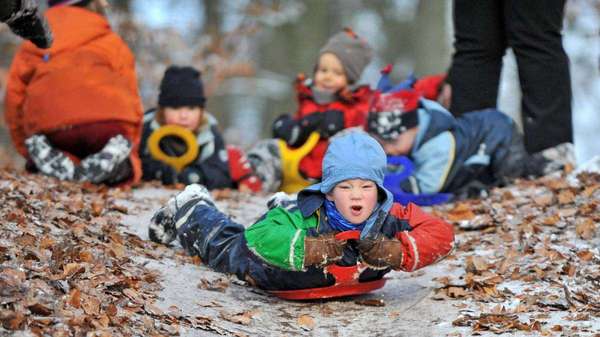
<point>26,21</point>
<point>163,228</point>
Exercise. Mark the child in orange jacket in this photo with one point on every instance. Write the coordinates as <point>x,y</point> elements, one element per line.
<point>73,110</point>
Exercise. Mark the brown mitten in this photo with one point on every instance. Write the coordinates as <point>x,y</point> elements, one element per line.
<point>322,250</point>
<point>381,252</point>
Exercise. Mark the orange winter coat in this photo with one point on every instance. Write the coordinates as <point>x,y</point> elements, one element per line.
<point>87,76</point>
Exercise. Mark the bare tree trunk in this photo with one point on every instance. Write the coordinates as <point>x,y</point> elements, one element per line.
<point>294,49</point>
<point>432,48</point>
<point>121,5</point>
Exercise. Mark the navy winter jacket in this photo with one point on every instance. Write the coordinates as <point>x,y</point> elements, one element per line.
<point>210,168</point>
<point>449,152</point>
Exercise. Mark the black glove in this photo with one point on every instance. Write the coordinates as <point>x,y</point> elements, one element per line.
<point>168,175</point>
<point>311,122</point>
<point>295,132</point>
<point>332,122</point>
<point>26,21</point>
<point>475,189</point>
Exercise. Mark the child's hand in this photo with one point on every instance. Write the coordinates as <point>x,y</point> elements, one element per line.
<point>311,122</point>
<point>381,252</point>
<point>323,249</point>
<point>331,123</point>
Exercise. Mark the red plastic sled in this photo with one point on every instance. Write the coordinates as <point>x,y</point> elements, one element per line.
<point>346,280</point>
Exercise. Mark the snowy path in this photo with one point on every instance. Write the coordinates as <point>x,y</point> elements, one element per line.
<point>408,308</point>
<point>526,263</point>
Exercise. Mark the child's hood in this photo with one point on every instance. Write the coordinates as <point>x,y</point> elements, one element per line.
<point>72,27</point>
<point>354,155</point>
<point>433,120</point>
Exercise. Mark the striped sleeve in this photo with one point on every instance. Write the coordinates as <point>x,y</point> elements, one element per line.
<point>430,239</point>
<point>278,238</point>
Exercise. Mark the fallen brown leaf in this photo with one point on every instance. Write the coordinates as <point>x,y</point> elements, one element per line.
<point>544,199</point>
<point>306,322</point>
<point>12,320</point>
<point>40,309</point>
<point>153,310</point>
<point>75,298</point>
<point>461,211</point>
<point>585,255</point>
<point>456,292</point>
<point>244,318</point>
<point>476,264</point>
<point>371,302</point>
<point>566,197</point>
<point>90,305</point>
<point>586,229</point>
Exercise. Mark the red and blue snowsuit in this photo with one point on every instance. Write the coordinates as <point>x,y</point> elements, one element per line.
<point>270,253</point>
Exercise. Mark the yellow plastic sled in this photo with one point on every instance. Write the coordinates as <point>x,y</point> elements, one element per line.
<point>177,162</point>
<point>293,182</point>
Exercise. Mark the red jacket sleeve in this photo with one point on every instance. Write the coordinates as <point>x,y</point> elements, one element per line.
<point>430,240</point>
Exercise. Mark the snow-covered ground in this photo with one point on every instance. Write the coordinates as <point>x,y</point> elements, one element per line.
<point>414,304</point>
<point>408,308</point>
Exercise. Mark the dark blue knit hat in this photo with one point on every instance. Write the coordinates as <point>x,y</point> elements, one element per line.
<point>181,86</point>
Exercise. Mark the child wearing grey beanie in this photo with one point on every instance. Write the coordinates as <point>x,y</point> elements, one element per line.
<point>328,103</point>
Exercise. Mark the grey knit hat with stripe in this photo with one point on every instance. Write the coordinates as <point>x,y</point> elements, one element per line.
<point>354,53</point>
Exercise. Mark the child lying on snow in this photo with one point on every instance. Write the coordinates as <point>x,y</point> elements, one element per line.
<point>464,156</point>
<point>290,245</point>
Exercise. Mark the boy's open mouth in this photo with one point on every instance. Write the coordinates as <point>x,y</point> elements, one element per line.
<point>356,209</point>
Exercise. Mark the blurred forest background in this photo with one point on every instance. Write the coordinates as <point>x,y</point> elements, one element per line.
<point>250,52</point>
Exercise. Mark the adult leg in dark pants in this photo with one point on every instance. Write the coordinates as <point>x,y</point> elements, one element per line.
<point>533,30</point>
<point>480,44</point>
<point>483,30</point>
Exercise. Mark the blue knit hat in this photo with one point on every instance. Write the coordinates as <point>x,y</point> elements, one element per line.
<point>355,155</point>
